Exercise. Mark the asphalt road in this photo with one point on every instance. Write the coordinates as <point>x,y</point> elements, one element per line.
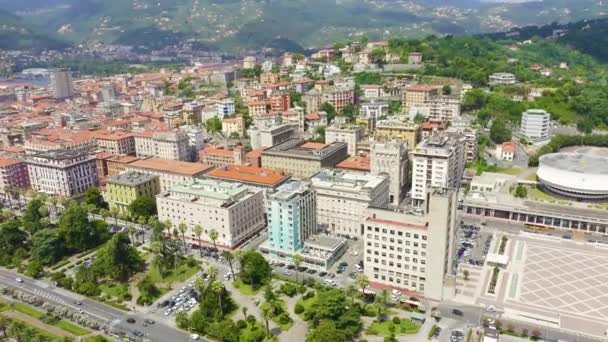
<point>104,313</point>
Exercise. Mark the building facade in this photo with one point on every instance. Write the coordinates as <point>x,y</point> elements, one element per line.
<point>218,156</point>
<point>535,125</point>
<point>169,172</point>
<point>62,173</point>
<point>390,130</point>
<point>13,175</point>
<point>62,85</point>
<point>233,211</point>
<point>411,251</point>
<point>166,145</point>
<point>349,134</point>
<point>343,198</point>
<point>126,187</point>
<point>391,159</point>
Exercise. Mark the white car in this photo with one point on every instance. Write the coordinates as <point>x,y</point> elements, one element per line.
<point>194,337</point>
<point>396,293</point>
<point>490,308</point>
<point>19,280</point>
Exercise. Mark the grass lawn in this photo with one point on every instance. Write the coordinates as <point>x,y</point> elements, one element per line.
<point>306,303</point>
<point>509,170</point>
<point>4,307</point>
<point>371,310</point>
<point>116,290</point>
<point>538,195</point>
<point>182,273</point>
<point>113,304</point>
<point>26,309</point>
<point>275,319</point>
<point>245,288</point>
<point>383,329</point>
<point>72,328</point>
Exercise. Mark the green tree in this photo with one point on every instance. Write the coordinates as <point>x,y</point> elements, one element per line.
<point>92,196</point>
<point>118,259</point>
<point>214,125</point>
<point>229,257</point>
<point>182,321</point>
<point>34,269</point>
<point>47,246</point>
<point>198,231</point>
<point>213,235</point>
<point>326,331</point>
<point>378,56</point>
<point>446,90</point>
<point>78,232</point>
<point>255,270</point>
<point>32,216</point>
<point>183,228</point>
<point>11,239</point>
<point>362,282</point>
<point>521,191</point>
<point>297,261</point>
<point>499,132</point>
<point>143,206</point>
<point>329,109</point>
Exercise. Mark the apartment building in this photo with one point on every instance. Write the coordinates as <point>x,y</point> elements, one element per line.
<point>391,159</point>
<point>233,211</point>
<point>280,102</point>
<point>292,216</point>
<point>13,175</point>
<point>502,78</point>
<point>218,156</point>
<point>126,187</point>
<point>62,85</point>
<point>411,250</point>
<point>303,159</point>
<point>109,165</point>
<point>444,108</point>
<point>417,96</point>
<point>257,108</point>
<point>374,109</point>
<point>272,135</point>
<point>338,97</point>
<point>250,176</point>
<point>343,197</point>
<point>438,162</point>
<point>349,134</point>
<point>115,143</point>
<point>313,100</point>
<point>233,126</point>
<point>62,173</point>
<point>169,172</point>
<point>389,130</point>
<point>224,107</point>
<point>166,145</point>
<point>535,125</point>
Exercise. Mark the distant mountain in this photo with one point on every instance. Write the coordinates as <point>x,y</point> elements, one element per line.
<point>15,34</point>
<point>238,24</point>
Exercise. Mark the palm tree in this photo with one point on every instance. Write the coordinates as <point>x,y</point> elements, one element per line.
<point>3,324</point>
<point>142,221</point>
<point>229,257</point>
<point>266,314</point>
<point>28,333</point>
<point>114,212</point>
<point>381,302</point>
<point>168,226</point>
<point>212,272</point>
<point>15,329</point>
<point>362,282</point>
<point>244,309</point>
<point>297,261</point>
<point>198,231</point>
<point>131,233</point>
<point>182,227</point>
<point>213,235</point>
<point>218,287</point>
<point>351,291</point>
<point>200,284</point>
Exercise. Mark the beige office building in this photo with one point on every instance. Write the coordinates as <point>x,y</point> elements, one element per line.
<point>233,210</point>
<point>349,134</point>
<point>170,172</point>
<point>410,251</point>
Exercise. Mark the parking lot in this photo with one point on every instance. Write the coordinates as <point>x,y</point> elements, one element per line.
<point>473,243</point>
<point>184,299</point>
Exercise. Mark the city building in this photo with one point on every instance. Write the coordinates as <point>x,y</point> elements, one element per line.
<point>126,187</point>
<point>196,140</point>
<point>165,145</point>
<point>444,108</point>
<point>225,107</point>
<point>62,173</point>
<point>223,155</point>
<point>374,109</point>
<point>535,125</point>
<point>109,165</point>
<point>235,212</point>
<point>233,126</point>
<point>169,172</point>
<point>438,162</point>
<point>250,176</point>
<point>115,143</point>
<point>249,62</point>
<point>13,175</point>
<point>389,130</point>
<point>313,100</point>
<point>502,78</point>
<point>292,225</point>
<point>391,159</point>
<point>61,83</point>
<point>257,108</point>
<point>272,135</point>
<point>338,97</point>
<point>343,197</point>
<point>303,159</point>
<point>414,58</point>
<point>410,250</point>
<point>505,151</point>
<point>418,96</point>
<point>280,102</point>
<point>349,134</point>
<point>356,164</point>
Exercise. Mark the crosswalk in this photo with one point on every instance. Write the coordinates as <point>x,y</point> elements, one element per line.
<point>51,297</point>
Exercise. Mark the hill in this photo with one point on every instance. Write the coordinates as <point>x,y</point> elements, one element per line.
<point>237,24</point>
<point>15,34</point>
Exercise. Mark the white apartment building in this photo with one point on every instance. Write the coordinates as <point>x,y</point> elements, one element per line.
<point>61,83</point>
<point>391,159</point>
<point>235,212</point>
<point>438,162</point>
<point>170,172</point>
<point>349,134</point>
<point>224,107</point>
<point>444,108</point>
<point>502,78</point>
<point>62,173</point>
<point>196,140</point>
<point>535,125</point>
<point>411,251</point>
<point>374,109</point>
<point>166,145</point>
<point>272,135</point>
<point>343,197</point>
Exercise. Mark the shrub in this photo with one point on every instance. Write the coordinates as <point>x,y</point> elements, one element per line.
<point>396,320</point>
<point>289,289</point>
<point>284,318</point>
<point>299,308</point>
<point>309,294</point>
<point>250,318</point>
<point>241,324</point>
